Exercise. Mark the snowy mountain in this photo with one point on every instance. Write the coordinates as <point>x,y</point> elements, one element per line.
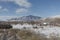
<point>53,19</point>
<point>57,16</point>
<point>26,18</point>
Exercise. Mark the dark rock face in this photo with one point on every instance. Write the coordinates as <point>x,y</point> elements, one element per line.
<point>5,26</point>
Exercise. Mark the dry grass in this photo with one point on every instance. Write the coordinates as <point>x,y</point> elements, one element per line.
<point>25,35</point>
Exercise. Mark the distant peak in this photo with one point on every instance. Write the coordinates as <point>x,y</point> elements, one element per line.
<point>57,16</point>
<point>30,15</point>
<point>28,18</point>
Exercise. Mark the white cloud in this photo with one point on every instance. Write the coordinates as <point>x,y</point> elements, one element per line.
<point>22,10</point>
<point>7,0</point>
<point>3,18</point>
<point>24,4</point>
<point>5,10</point>
<point>0,7</point>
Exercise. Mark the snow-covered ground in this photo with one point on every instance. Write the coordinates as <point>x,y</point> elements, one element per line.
<point>49,31</point>
<point>19,26</point>
<point>46,30</point>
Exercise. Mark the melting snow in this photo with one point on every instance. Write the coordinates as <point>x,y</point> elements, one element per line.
<point>46,30</point>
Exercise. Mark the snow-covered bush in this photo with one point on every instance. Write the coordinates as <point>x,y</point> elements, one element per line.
<point>46,30</point>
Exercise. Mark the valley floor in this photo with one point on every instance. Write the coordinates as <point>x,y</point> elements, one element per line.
<point>46,30</point>
<point>30,32</point>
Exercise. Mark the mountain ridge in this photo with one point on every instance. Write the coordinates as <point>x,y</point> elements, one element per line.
<point>26,18</point>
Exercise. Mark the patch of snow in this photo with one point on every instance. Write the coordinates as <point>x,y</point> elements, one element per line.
<point>49,31</point>
<point>19,26</point>
<point>46,30</point>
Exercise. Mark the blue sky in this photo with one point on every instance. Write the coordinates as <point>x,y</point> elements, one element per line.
<point>46,8</point>
<point>43,8</point>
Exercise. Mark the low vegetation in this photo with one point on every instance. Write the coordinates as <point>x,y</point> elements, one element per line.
<point>16,34</point>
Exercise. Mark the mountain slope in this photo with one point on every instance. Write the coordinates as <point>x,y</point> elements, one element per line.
<point>26,18</point>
